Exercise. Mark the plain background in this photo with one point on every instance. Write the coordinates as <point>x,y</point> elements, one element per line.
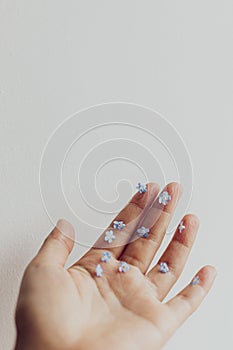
<point>174,56</point>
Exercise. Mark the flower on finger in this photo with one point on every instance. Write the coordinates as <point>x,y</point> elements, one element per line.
<point>181,226</point>
<point>141,187</point>
<point>124,267</point>
<point>109,236</point>
<point>143,232</point>
<point>163,267</point>
<point>195,280</point>
<point>106,256</point>
<point>164,198</point>
<point>99,271</point>
<point>119,225</point>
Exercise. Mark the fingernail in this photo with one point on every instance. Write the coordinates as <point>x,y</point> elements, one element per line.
<point>65,228</point>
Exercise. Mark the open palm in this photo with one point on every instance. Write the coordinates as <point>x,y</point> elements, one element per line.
<point>73,308</point>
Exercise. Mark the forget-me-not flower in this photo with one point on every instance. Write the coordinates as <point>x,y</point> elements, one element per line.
<point>195,280</point>
<point>119,225</point>
<point>163,267</point>
<point>164,198</point>
<point>143,232</point>
<point>141,187</point>
<point>109,236</point>
<point>99,271</point>
<point>181,226</point>
<point>124,267</point>
<point>106,256</point>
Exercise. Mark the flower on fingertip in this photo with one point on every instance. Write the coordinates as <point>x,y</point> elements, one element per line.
<point>195,281</point>
<point>181,226</point>
<point>164,198</point>
<point>141,187</point>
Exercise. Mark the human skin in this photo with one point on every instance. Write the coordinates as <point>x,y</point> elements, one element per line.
<point>72,309</point>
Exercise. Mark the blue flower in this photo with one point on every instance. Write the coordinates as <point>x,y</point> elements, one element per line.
<point>106,256</point>
<point>143,232</point>
<point>99,271</point>
<point>195,280</point>
<point>119,225</point>
<point>124,267</point>
<point>181,226</point>
<point>164,198</point>
<point>141,187</point>
<point>163,267</point>
<point>109,236</point>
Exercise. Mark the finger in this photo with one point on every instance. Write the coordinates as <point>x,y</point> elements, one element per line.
<point>190,298</point>
<point>141,251</point>
<point>57,246</point>
<point>175,256</point>
<point>131,215</point>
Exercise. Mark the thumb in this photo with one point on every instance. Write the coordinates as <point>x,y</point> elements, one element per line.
<point>57,246</point>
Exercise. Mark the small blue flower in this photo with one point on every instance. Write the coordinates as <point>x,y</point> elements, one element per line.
<point>163,267</point>
<point>141,187</point>
<point>99,271</point>
<point>106,256</point>
<point>124,267</point>
<point>181,226</point>
<point>164,198</point>
<point>109,236</point>
<point>119,225</point>
<point>143,232</point>
<point>195,280</point>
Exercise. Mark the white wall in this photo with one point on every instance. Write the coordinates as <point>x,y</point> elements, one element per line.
<point>174,56</point>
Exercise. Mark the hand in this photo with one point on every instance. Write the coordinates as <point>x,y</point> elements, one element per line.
<point>73,309</point>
